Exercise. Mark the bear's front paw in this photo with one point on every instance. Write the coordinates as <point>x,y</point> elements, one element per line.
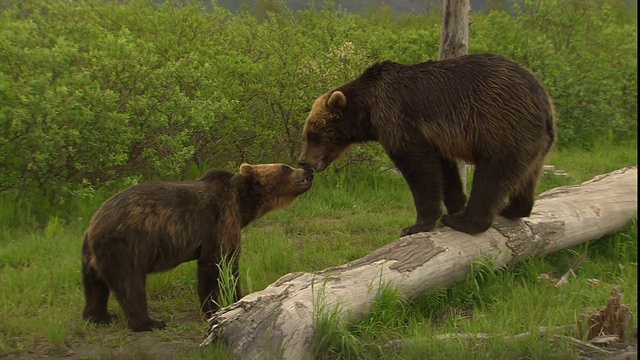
<point>516,211</point>
<point>466,224</point>
<point>417,229</point>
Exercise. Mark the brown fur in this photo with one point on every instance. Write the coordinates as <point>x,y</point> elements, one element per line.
<point>155,227</point>
<point>481,108</point>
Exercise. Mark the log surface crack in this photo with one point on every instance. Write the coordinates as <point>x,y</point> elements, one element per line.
<point>521,238</point>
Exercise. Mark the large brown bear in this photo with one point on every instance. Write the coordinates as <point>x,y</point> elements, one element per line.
<point>156,226</point>
<point>482,108</point>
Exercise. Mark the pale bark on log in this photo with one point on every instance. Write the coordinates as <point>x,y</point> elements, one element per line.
<point>279,320</point>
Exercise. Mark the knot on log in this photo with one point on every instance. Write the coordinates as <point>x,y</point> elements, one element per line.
<point>526,238</point>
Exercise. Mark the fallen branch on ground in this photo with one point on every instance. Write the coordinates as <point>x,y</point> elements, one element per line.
<point>572,270</point>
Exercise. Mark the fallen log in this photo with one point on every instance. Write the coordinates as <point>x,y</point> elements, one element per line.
<point>279,320</point>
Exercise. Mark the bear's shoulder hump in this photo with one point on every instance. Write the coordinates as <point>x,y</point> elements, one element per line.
<point>216,175</point>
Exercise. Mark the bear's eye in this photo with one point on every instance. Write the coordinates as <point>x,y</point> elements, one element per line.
<point>287,169</point>
<point>313,138</point>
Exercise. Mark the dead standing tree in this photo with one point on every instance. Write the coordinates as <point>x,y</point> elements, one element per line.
<point>454,41</point>
<point>280,320</point>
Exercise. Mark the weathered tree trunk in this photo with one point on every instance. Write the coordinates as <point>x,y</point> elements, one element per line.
<point>454,38</point>
<point>280,318</point>
<point>454,41</point>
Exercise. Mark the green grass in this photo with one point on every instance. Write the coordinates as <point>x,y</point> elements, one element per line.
<point>344,217</point>
<point>496,302</point>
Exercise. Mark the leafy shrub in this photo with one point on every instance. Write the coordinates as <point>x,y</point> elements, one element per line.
<point>96,91</point>
<point>585,52</point>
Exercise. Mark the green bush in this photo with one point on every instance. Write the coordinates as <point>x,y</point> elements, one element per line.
<point>585,52</point>
<point>94,92</point>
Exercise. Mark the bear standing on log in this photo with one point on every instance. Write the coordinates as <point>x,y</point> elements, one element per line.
<point>156,226</point>
<point>481,108</point>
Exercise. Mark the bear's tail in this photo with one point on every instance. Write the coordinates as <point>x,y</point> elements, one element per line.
<point>90,277</point>
<point>551,130</point>
<point>87,254</point>
<point>96,291</point>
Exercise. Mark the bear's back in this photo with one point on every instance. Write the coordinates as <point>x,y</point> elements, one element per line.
<point>472,72</point>
<point>156,204</point>
<point>464,105</point>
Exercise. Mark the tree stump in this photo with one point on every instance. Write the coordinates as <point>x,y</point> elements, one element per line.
<point>454,42</point>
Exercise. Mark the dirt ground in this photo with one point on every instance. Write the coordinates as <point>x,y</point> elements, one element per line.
<point>186,329</point>
<point>182,336</point>
<point>178,344</point>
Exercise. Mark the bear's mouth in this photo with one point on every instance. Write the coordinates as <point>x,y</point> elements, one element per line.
<point>306,181</point>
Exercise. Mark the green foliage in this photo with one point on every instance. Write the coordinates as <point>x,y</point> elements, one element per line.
<point>226,280</point>
<point>585,52</point>
<point>92,95</point>
<point>96,92</point>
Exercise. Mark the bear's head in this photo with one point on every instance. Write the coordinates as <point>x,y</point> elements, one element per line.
<point>324,138</point>
<point>278,184</point>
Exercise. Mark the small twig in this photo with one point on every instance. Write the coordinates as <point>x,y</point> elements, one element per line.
<point>542,330</point>
<point>604,340</point>
<point>396,345</point>
<point>582,346</point>
<point>625,355</point>
<point>479,336</point>
<point>565,278</point>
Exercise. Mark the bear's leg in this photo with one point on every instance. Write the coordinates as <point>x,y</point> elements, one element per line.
<point>96,293</point>
<point>454,197</point>
<point>121,270</point>
<point>423,173</point>
<point>236,273</point>
<point>521,201</point>
<point>492,183</point>
<point>131,292</point>
<point>208,285</point>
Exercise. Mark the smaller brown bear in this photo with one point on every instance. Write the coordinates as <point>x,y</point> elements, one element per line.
<point>157,226</point>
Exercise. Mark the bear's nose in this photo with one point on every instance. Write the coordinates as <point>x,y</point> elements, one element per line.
<point>308,174</point>
<point>303,163</point>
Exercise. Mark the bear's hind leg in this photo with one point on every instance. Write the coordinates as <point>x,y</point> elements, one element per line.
<point>131,293</point>
<point>454,196</point>
<point>96,293</point>
<point>208,279</point>
<point>521,201</point>
<point>208,286</point>
<point>492,183</point>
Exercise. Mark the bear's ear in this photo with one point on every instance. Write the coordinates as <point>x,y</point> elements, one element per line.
<point>246,169</point>
<point>337,100</point>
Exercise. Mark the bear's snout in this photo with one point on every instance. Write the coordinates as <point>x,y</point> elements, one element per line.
<point>312,166</point>
<point>304,164</point>
<point>307,179</point>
